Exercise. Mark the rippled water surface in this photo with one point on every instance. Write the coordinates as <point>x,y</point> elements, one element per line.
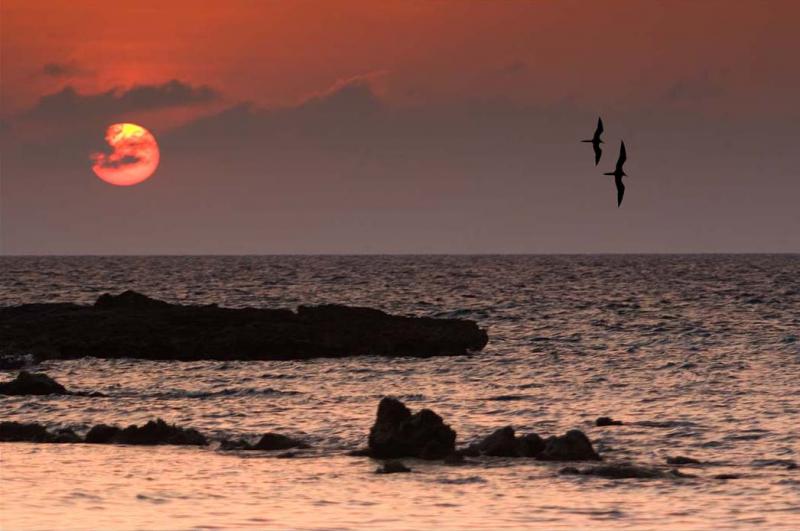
<point>699,355</point>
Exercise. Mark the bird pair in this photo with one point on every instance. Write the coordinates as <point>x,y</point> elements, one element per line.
<point>617,173</point>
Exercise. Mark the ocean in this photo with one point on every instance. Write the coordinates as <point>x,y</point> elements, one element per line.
<point>698,355</point>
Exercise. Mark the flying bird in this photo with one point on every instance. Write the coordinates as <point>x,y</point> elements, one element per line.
<point>595,141</point>
<point>619,174</point>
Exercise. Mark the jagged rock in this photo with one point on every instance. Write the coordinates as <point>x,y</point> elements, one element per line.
<point>34,432</point>
<point>607,421</point>
<point>530,445</point>
<point>276,441</point>
<point>101,434</point>
<point>392,467</point>
<point>133,325</point>
<point>32,383</point>
<point>682,460</point>
<point>398,433</point>
<point>572,446</point>
<point>504,443</point>
<point>152,433</point>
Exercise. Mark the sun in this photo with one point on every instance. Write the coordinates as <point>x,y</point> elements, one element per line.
<point>133,158</point>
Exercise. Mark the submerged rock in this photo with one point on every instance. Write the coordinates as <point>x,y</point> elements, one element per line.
<point>572,446</point>
<point>32,383</point>
<point>682,460</point>
<point>504,443</point>
<point>134,325</point>
<point>276,441</point>
<point>392,467</point>
<point>398,433</point>
<point>269,441</point>
<point>153,433</point>
<point>35,432</point>
<point>607,421</point>
<point>623,471</point>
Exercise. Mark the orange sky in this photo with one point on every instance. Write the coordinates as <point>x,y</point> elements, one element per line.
<point>279,53</point>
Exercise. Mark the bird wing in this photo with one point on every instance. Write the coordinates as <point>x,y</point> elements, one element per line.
<point>597,153</point>
<point>620,190</point>
<point>623,156</point>
<point>599,130</point>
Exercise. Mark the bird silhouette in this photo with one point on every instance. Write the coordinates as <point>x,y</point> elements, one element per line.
<point>595,141</point>
<point>619,174</point>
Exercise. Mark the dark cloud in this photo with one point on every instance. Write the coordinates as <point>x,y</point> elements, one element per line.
<point>61,70</point>
<point>71,104</point>
<point>112,163</point>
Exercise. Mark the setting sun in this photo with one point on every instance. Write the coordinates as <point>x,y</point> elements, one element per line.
<point>134,156</point>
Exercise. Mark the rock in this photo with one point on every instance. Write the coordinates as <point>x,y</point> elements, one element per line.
<point>101,434</point>
<point>454,459</point>
<point>32,383</point>
<point>572,446</point>
<point>134,325</point>
<point>791,466</point>
<point>500,443</point>
<point>275,441</point>
<point>35,432</point>
<point>569,471</point>
<point>682,460</point>
<point>392,467</point>
<point>607,421</point>
<point>152,433</point>
<point>530,445</point>
<point>504,443</point>
<point>398,433</point>
<point>727,476</point>
<point>234,444</point>
<point>360,452</point>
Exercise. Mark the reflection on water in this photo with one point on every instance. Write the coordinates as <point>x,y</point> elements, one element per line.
<point>699,355</point>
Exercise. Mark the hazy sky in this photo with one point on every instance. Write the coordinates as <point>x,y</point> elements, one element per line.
<point>402,126</point>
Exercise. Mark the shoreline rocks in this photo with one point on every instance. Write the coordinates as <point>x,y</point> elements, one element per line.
<point>34,432</point>
<point>572,446</point>
<point>132,325</point>
<point>154,432</point>
<point>398,433</point>
<point>32,383</point>
<point>504,443</point>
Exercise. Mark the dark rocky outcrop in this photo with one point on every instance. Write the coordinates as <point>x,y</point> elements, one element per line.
<point>34,432</point>
<point>398,433</point>
<point>607,421</point>
<point>504,443</point>
<point>32,383</point>
<point>392,467</point>
<point>153,433</point>
<point>101,434</point>
<point>136,326</point>
<point>572,446</point>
